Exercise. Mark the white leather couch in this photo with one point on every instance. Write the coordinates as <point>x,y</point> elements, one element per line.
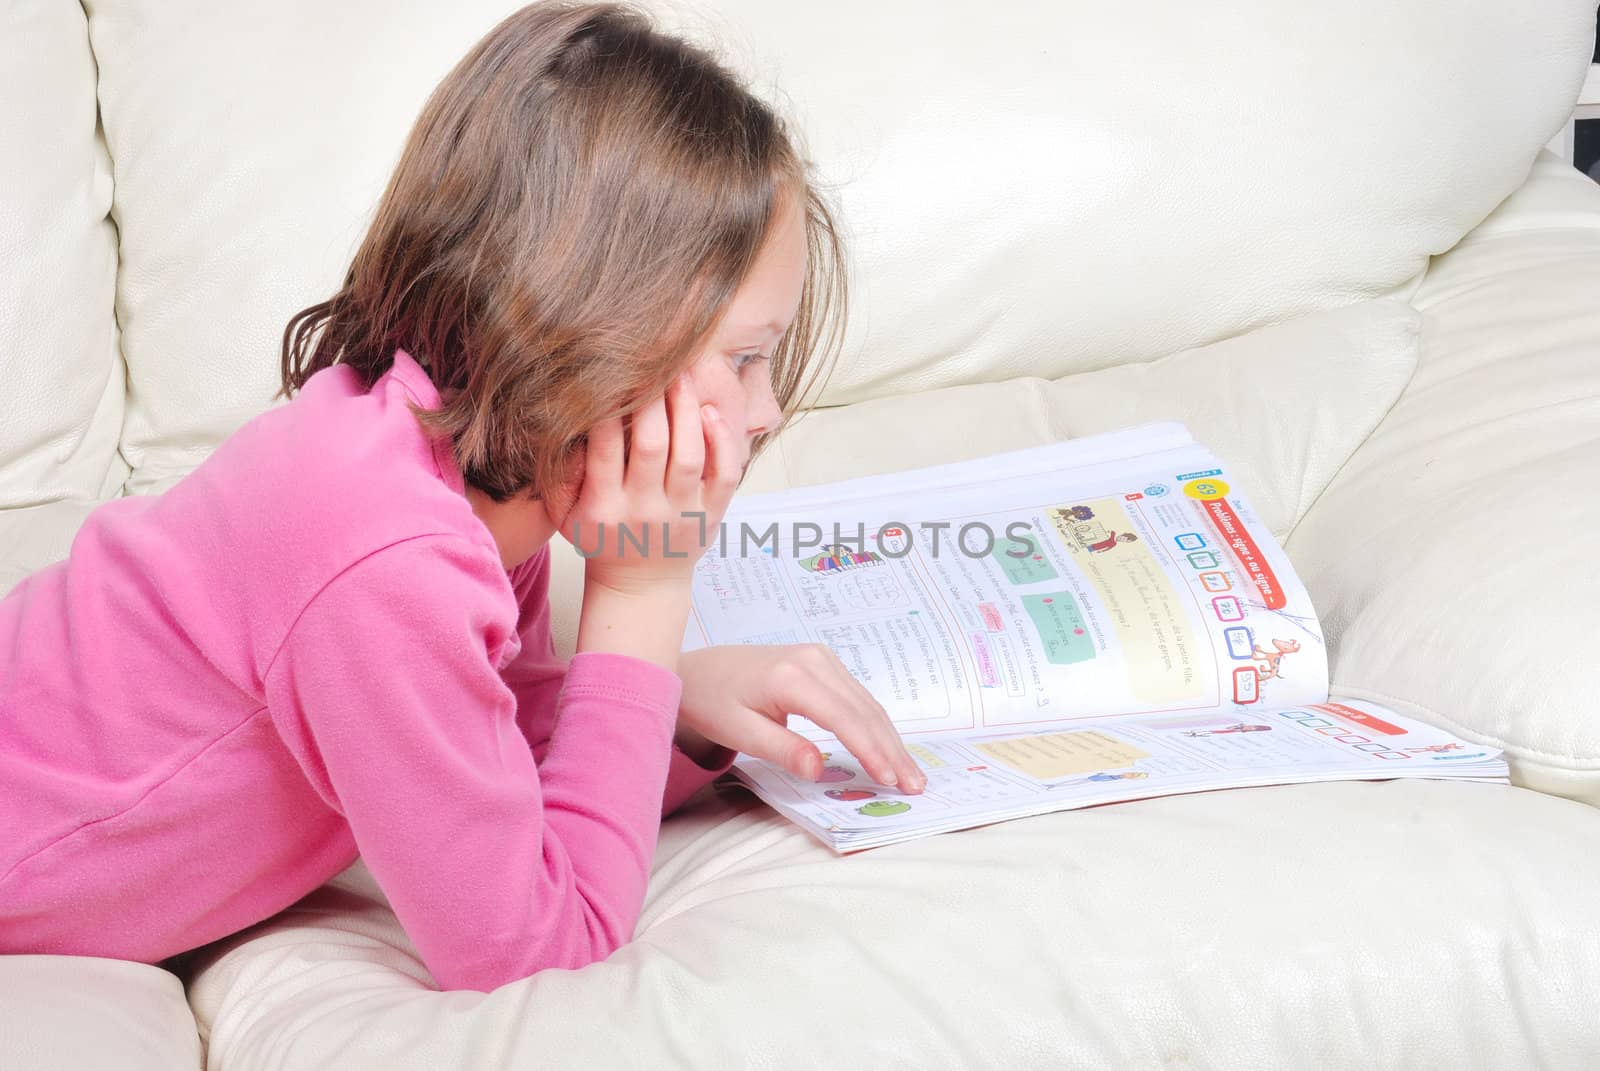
<point>1321,234</point>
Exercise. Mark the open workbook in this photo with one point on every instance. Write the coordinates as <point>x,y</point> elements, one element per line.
<point>1097,620</point>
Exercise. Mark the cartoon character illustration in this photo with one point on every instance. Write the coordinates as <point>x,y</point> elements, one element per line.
<point>1111,540</point>
<point>1093,536</point>
<point>1087,533</point>
<point>883,808</point>
<point>836,773</point>
<point>1271,662</point>
<point>1237,727</point>
<point>1435,748</point>
<point>836,556</point>
<point>1125,775</point>
<point>849,794</point>
<point>1081,513</point>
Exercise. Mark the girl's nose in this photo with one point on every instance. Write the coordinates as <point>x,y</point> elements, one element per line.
<point>763,412</point>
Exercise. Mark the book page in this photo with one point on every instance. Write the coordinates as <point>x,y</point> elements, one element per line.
<point>1112,574</point>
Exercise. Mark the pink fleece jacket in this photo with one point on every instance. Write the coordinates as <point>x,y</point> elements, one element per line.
<point>305,650</point>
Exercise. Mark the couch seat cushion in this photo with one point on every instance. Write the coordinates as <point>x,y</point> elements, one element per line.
<point>1399,924</point>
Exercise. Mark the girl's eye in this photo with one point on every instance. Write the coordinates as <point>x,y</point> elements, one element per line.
<point>741,360</point>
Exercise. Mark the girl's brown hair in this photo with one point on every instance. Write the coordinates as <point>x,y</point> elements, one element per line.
<point>578,202</point>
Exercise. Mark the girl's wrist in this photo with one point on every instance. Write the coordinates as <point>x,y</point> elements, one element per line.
<point>705,754</point>
<point>644,622</point>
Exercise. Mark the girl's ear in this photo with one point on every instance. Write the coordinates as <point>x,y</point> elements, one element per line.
<point>558,502</point>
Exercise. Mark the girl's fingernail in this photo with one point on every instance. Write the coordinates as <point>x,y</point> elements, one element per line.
<point>709,412</point>
<point>888,778</point>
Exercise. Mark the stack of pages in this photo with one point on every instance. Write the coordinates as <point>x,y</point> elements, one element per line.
<point>1094,621</point>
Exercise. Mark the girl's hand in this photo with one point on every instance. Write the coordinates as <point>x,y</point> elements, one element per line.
<point>667,496</point>
<point>742,696</point>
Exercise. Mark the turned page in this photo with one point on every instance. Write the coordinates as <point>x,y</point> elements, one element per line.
<point>1114,574</point>
<point>981,777</point>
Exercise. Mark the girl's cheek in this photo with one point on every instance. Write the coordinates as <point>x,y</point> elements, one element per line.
<point>703,375</point>
<point>721,389</point>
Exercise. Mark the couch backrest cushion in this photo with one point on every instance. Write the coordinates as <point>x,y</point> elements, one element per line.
<point>1032,189</point>
<point>62,373</point>
<point>1452,559</point>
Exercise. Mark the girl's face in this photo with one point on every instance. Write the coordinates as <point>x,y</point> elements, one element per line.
<point>732,372</point>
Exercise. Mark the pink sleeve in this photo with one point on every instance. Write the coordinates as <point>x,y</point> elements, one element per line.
<point>535,680</point>
<point>387,692</point>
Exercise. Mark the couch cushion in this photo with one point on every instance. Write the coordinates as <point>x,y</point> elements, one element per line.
<point>1407,924</point>
<point>1453,559</point>
<point>1044,190</point>
<point>32,537</point>
<point>1284,406</point>
<point>82,1013</point>
<point>61,413</point>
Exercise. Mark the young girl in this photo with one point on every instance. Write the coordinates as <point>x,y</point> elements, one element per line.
<point>593,287</point>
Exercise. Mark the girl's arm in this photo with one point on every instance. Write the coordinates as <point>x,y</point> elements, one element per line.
<point>535,677</point>
<point>387,693</point>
